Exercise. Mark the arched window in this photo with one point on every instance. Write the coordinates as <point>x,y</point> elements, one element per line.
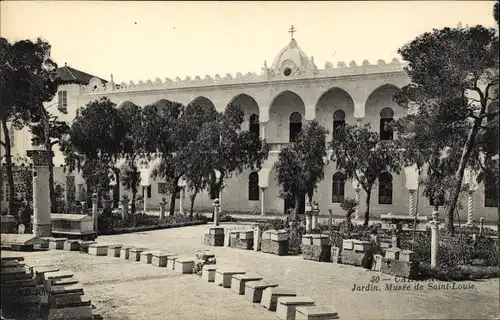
<point>253,186</point>
<point>385,188</point>
<point>295,126</point>
<point>490,192</point>
<point>386,116</point>
<point>338,120</point>
<point>338,187</point>
<point>254,124</point>
<point>12,136</point>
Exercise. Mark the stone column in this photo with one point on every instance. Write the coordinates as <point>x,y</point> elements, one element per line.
<point>470,178</point>
<point>330,219</point>
<point>220,199</point>
<point>256,238</point>
<point>263,130</point>
<point>411,206</point>
<point>216,212</point>
<point>412,176</point>
<point>358,200</point>
<point>95,212</point>
<point>125,209</point>
<point>163,205</point>
<point>145,198</point>
<point>262,201</point>
<point>42,225</point>
<point>308,223</point>
<point>434,239</point>
<point>315,214</point>
<point>481,226</point>
<point>181,201</point>
<point>470,207</point>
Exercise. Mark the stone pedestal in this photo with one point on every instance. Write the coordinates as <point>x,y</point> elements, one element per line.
<point>114,250</point>
<point>316,247</point>
<point>315,313</point>
<point>159,259</point>
<point>184,265</point>
<point>223,277</point>
<point>57,243</point>
<point>357,253</point>
<point>434,239</point>
<point>135,254</point>
<point>98,250</point>
<point>242,239</point>
<point>146,257</point>
<point>214,236</point>
<point>270,296</point>
<point>72,245</point>
<point>377,262</point>
<point>125,252</point>
<point>41,194</point>
<point>257,238</point>
<point>239,280</point>
<point>254,289</point>
<point>335,255</point>
<point>286,306</point>
<point>275,242</point>
<point>208,272</point>
<point>171,262</point>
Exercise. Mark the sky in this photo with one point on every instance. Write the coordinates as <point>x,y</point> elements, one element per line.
<point>145,40</point>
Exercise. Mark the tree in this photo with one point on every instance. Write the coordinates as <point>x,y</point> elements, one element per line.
<point>349,206</point>
<point>94,145</point>
<point>455,72</point>
<point>360,155</point>
<point>495,11</point>
<point>27,78</point>
<point>300,167</point>
<point>57,130</point>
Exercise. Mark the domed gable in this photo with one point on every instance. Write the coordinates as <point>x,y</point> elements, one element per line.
<point>292,56</point>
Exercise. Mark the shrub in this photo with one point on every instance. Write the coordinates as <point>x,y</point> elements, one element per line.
<point>460,273</point>
<point>275,224</point>
<point>109,220</point>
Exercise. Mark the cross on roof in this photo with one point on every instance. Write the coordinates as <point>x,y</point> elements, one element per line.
<point>292,30</point>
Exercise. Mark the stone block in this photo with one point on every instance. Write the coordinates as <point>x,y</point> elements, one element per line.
<point>319,240</point>
<point>114,250</point>
<point>208,272</point>
<point>59,282</point>
<point>359,259</point>
<point>361,246</point>
<point>316,253</point>
<point>39,273</point>
<point>266,235</point>
<point>224,276</point>
<point>71,245</point>
<point>216,231</point>
<point>184,265</point>
<point>407,255</point>
<point>18,258</point>
<point>315,313</point>
<point>49,277</point>
<point>22,247</point>
<point>98,249</point>
<point>84,246</point>
<point>270,296</point>
<point>254,289</point>
<point>286,306</point>
<point>68,300</point>
<point>347,244</point>
<point>392,253</point>
<point>80,313</point>
<point>146,257</point>
<point>70,288</point>
<point>279,248</point>
<point>135,253</point>
<point>377,262</point>
<point>247,234</point>
<point>214,240</point>
<point>171,262</point>
<point>125,252</point>
<point>238,282</point>
<point>205,255</point>
<point>159,259</point>
<point>307,240</point>
<point>279,235</point>
<point>57,243</point>
<point>405,269</point>
<point>335,254</point>
<point>238,243</point>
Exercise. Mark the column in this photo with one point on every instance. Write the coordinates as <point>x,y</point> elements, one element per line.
<point>359,122</point>
<point>125,208</point>
<point>95,212</point>
<point>358,200</point>
<point>330,219</point>
<point>481,227</point>
<point>220,199</point>
<point>411,206</point>
<point>216,212</point>
<point>262,201</point>
<point>145,198</point>
<point>470,207</point>
<point>181,201</point>
<point>42,225</point>
<point>263,130</point>
<point>434,239</point>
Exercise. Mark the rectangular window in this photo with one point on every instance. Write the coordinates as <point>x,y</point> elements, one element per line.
<point>62,101</point>
<point>490,193</point>
<point>148,190</point>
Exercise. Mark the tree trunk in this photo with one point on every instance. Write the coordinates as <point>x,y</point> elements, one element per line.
<point>173,197</point>
<point>193,197</point>
<point>367,212</point>
<point>459,175</point>
<point>8,162</point>
<point>297,205</point>
<point>348,221</point>
<point>132,204</point>
<point>52,192</point>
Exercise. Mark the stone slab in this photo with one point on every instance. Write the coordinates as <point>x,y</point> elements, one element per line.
<point>114,250</point>
<point>19,283</point>
<point>71,245</point>
<point>98,249</point>
<point>57,243</point>
<point>39,273</point>
<point>70,288</point>
<point>286,306</point>
<point>125,252</point>
<point>135,253</point>
<point>214,240</point>
<point>59,282</point>
<point>171,262</point>
<point>254,289</point>
<point>315,313</point>
<point>247,234</point>
<point>347,244</point>
<point>69,300</point>
<point>80,313</point>
<point>279,248</point>
<point>208,272</point>
<point>146,257</point>
<point>18,258</point>
<point>184,265</point>
<point>223,277</point>
<point>12,264</point>
<point>215,230</point>
<point>279,235</point>
<point>238,282</point>
<point>317,253</point>
<point>270,296</point>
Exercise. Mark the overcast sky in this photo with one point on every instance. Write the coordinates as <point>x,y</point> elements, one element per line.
<point>144,40</point>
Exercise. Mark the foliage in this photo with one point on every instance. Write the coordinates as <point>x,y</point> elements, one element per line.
<point>27,78</point>
<point>300,167</point>
<point>360,155</point>
<point>275,224</point>
<point>349,206</point>
<point>454,78</point>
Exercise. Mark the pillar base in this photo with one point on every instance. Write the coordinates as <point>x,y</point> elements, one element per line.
<point>44,230</point>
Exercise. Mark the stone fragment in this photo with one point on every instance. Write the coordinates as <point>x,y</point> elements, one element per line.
<point>279,248</point>
<point>171,262</point>
<point>359,259</point>
<point>125,252</point>
<point>114,250</point>
<point>146,257</point>
<point>159,259</point>
<point>57,243</point>
<point>407,255</point>
<point>71,245</point>
<point>270,296</point>
<point>392,253</point>
<point>319,239</point>
<point>286,306</point>
<point>238,282</point>
<point>224,276</point>
<point>208,272</point>
<point>316,253</point>
<point>254,289</point>
<point>184,265</point>
<point>347,244</point>
<point>335,254</point>
<point>135,253</point>
<point>404,269</point>
<point>377,262</point>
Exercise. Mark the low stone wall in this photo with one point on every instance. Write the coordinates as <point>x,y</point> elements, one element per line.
<point>149,228</point>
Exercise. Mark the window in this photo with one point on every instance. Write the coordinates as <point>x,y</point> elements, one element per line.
<point>490,193</point>
<point>338,187</point>
<point>338,120</point>
<point>386,117</point>
<point>178,192</point>
<point>253,186</point>
<point>385,188</point>
<point>148,191</point>
<point>441,201</point>
<point>162,188</point>
<point>295,126</point>
<point>12,136</point>
<point>62,100</point>
<point>254,124</point>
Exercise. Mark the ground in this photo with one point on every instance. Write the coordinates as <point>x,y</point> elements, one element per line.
<point>122,289</point>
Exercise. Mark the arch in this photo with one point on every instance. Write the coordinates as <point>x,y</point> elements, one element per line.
<point>382,98</point>
<point>250,108</point>
<point>203,101</point>
<point>385,188</point>
<point>386,117</point>
<point>253,186</point>
<point>333,104</point>
<point>282,107</point>
<point>295,126</point>
<point>338,187</point>
<point>130,103</point>
<point>339,92</point>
